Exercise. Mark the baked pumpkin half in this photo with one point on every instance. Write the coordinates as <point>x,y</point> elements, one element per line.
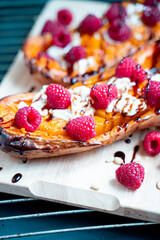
<point>63,56</point>
<point>57,120</point>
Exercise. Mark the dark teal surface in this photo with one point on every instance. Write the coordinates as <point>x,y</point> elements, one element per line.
<point>27,217</point>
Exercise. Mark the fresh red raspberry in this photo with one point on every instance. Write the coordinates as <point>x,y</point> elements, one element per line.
<point>153,3</point>
<point>76,53</point>
<point>116,11</point>
<point>58,96</point>
<point>151,143</point>
<point>64,17</point>
<point>152,93</point>
<point>129,68</point>
<point>102,95</point>
<point>125,68</point>
<point>28,118</point>
<point>119,31</point>
<point>139,74</point>
<point>151,16</point>
<point>62,37</point>
<point>81,128</point>
<point>90,24</point>
<point>50,27</point>
<point>131,175</point>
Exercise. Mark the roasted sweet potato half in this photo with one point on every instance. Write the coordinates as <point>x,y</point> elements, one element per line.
<point>47,62</point>
<point>127,112</point>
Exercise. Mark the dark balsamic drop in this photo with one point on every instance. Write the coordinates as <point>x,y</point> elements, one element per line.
<point>49,118</point>
<point>157,111</point>
<point>16,177</point>
<point>1,119</point>
<point>120,155</point>
<point>119,128</point>
<point>1,168</point>
<point>73,80</point>
<point>24,160</point>
<point>136,148</point>
<point>128,140</point>
<point>32,89</point>
<point>137,119</point>
<point>126,126</point>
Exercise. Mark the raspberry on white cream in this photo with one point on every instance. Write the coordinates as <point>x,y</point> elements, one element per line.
<point>80,105</point>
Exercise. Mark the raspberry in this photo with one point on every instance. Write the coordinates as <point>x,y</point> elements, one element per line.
<point>138,74</point>
<point>64,17</point>
<point>81,128</point>
<point>116,11</point>
<point>129,68</point>
<point>90,24</point>
<point>62,37</point>
<point>151,16</point>
<point>51,27</point>
<point>153,3</point>
<point>151,143</point>
<point>102,95</point>
<point>131,175</point>
<point>75,54</point>
<point>152,93</point>
<point>28,118</point>
<point>58,96</point>
<point>119,31</point>
<point>125,68</point>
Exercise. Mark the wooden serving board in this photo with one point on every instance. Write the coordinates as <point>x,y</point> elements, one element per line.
<point>73,179</point>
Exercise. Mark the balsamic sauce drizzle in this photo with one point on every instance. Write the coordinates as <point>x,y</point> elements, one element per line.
<point>136,148</point>
<point>16,177</point>
<point>128,140</point>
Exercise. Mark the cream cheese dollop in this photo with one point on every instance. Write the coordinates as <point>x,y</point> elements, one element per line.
<point>38,102</point>
<point>58,53</point>
<point>126,103</point>
<point>133,18</point>
<point>81,66</point>
<point>80,105</point>
<point>122,84</point>
<point>156,77</point>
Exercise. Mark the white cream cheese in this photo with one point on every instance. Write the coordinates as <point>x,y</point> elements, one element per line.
<point>122,84</point>
<point>133,8</point>
<point>127,104</point>
<point>80,105</point>
<point>82,65</point>
<point>22,105</point>
<point>133,18</point>
<point>58,53</point>
<point>156,77</point>
<point>138,36</point>
<point>40,100</point>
